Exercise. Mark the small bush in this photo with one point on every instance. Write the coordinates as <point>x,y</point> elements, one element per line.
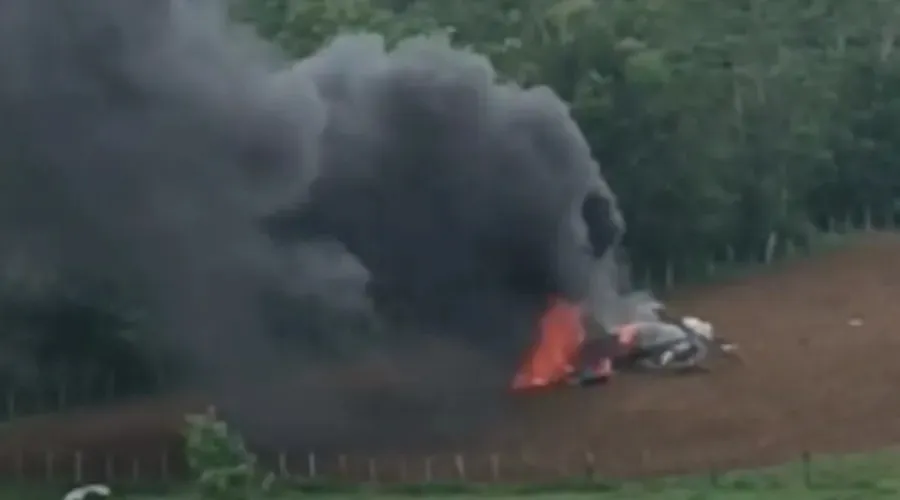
<point>219,462</point>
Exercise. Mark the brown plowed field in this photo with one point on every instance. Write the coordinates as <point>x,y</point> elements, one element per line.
<point>810,381</point>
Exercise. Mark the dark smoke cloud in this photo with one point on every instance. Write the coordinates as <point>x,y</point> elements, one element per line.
<point>399,199</point>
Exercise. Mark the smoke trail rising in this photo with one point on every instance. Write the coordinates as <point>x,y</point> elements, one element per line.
<point>300,230</point>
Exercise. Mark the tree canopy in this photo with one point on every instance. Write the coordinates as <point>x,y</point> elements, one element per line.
<point>717,124</point>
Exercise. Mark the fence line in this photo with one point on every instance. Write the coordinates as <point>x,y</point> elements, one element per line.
<point>167,467</point>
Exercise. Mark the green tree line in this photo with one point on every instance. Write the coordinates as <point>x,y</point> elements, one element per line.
<point>718,124</point>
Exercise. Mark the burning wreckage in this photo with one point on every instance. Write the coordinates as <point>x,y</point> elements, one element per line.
<point>505,228</point>
<point>569,351</point>
<point>573,348</point>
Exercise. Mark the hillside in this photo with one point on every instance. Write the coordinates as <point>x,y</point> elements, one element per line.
<point>810,381</point>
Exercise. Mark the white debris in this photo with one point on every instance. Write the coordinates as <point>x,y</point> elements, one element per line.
<point>81,492</point>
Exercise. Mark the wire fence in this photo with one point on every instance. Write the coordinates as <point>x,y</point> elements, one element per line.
<point>168,466</point>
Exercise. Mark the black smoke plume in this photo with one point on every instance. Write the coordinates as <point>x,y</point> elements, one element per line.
<point>352,246</point>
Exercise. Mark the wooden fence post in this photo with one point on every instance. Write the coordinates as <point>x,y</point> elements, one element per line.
<point>495,467</point>
<point>710,267</point>
<point>460,463</point>
<point>771,245</point>
<point>806,463</point>
<point>373,470</point>
<point>109,468</point>
<point>311,465</point>
<point>670,275</point>
<point>135,470</point>
<point>78,467</point>
<point>50,463</point>
<point>590,464</point>
<point>164,465</point>
<point>283,464</point>
<point>342,466</point>
<point>428,472</point>
<point>644,460</point>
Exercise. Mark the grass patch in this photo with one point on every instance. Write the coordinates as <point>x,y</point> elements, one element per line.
<point>672,494</point>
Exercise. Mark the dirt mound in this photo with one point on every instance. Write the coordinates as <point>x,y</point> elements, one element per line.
<point>813,380</point>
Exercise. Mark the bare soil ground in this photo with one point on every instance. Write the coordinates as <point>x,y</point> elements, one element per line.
<point>810,381</point>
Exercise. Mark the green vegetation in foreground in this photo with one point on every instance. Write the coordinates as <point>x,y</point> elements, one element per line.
<point>667,495</point>
<point>625,493</point>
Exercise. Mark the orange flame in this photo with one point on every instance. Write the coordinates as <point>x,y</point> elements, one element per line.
<point>550,360</point>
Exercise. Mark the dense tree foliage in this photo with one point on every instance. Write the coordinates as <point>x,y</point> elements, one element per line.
<point>718,124</point>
